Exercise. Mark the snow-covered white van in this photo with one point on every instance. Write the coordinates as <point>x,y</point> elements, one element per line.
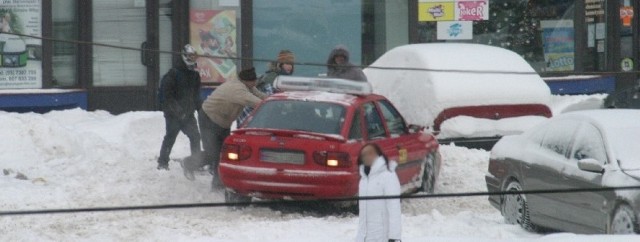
<point>463,92</point>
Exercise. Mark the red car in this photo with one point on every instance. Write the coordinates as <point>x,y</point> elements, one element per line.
<point>304,144</point>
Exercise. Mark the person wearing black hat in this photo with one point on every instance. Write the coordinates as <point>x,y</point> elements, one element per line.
<point>220,109</point>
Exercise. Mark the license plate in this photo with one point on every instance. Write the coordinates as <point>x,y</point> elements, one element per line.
<point>282,156</point>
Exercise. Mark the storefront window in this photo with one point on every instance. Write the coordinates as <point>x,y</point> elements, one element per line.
<point>65,27</point>
<point>542,32</point>
<point>385,25</point>
<point>214,29</point>
<point>311,29</point>
<point>119,23</point>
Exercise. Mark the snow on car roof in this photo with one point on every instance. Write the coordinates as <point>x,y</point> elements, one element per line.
<point>424,94</point>
<point>609,118</point>
<point>317,96</point>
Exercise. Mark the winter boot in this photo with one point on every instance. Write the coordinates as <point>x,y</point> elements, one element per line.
<point>162,166</point>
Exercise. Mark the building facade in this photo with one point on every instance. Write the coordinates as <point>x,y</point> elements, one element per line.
<point>76,60</point>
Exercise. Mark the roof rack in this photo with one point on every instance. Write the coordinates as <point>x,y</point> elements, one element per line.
<point>334,85</point>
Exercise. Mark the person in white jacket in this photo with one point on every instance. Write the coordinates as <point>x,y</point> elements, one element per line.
<point>379,219</point>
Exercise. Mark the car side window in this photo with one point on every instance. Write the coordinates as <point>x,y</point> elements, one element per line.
<point>355,131</point>
<point>559,137</point>
<point>589,144</point>
<point>395,123</point>
<point>375,127</point>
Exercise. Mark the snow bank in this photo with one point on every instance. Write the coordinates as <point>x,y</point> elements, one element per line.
<point>422,95</point>
<point>470,127</point>
<point>76,158</point>
<point>567,103</point>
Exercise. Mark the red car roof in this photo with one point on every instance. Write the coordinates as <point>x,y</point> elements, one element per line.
<point>319,96</point>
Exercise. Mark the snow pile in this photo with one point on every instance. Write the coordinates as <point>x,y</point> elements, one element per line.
<point>567,103</point>
<point>422,95</point>
<point>470,127</point>
<point>76,158</point>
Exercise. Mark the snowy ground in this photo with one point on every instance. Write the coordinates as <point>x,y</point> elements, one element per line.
<point>74,158</point>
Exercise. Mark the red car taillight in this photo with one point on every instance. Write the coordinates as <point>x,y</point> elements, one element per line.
<point>332,159</point>
<point>236,152</point>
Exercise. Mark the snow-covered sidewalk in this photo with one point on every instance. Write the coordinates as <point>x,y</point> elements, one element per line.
<point>74,158</point>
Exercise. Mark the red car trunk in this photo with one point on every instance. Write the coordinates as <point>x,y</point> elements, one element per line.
<point>288,164</point>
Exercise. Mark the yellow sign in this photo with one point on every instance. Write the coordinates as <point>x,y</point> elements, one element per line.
<point>402,156</point>
<point>436,11</point>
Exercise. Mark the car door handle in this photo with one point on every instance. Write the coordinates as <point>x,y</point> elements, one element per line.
<point>143,54</point>
<point>566,178</point>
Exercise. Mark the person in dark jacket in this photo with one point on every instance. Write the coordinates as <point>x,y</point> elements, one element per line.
<point>338,66</point>
<point>282,66</point>
<point>181,93</point>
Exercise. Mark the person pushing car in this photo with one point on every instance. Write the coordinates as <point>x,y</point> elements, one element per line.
<point>220,109</point>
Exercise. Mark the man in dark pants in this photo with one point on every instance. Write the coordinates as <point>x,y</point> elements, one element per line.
<point>180,89</point>
<point>220,109</point>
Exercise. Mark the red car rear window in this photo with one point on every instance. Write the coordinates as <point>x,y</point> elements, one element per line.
<point>318,117</point>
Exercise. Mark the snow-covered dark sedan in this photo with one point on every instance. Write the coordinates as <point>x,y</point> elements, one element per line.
<point>586,149</point>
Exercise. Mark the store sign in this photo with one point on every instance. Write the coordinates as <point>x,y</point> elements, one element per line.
<point>626,15</point>
<point>455,30</point>
<point>451,10</point>
<point>472,10</point>
<point>213,34</point>
<point>626,64</point>
<point>430,10</point>
<point>558,39</point>
<point>20,57</point>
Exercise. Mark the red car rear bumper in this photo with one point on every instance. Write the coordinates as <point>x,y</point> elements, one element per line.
<point>273,183</point>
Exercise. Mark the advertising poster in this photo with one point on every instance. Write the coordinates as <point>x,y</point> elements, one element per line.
<point>20,57</point>
<point>455,30</point>
<point>213,33</point>
<point>472,10</point>
<point>436,10</point>
<point>558,39</point>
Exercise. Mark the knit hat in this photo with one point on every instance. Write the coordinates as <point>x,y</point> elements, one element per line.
<point>286,56</point>
<point>248,74</point>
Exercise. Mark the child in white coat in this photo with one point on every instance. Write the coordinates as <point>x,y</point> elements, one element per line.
<point>379,219</point>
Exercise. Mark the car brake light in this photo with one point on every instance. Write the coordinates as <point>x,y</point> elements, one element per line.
<point>236,152</point>
<point>332,159</point>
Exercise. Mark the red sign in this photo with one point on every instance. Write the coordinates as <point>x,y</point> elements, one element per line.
<point>626,15</point>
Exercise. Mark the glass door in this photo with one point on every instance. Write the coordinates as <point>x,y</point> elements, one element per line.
<point>123,79</point>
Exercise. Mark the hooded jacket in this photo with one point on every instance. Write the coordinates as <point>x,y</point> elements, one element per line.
<point>346,70</point>
<point>226,102</point>
<point>380,220</point>
<point>181,91</point>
